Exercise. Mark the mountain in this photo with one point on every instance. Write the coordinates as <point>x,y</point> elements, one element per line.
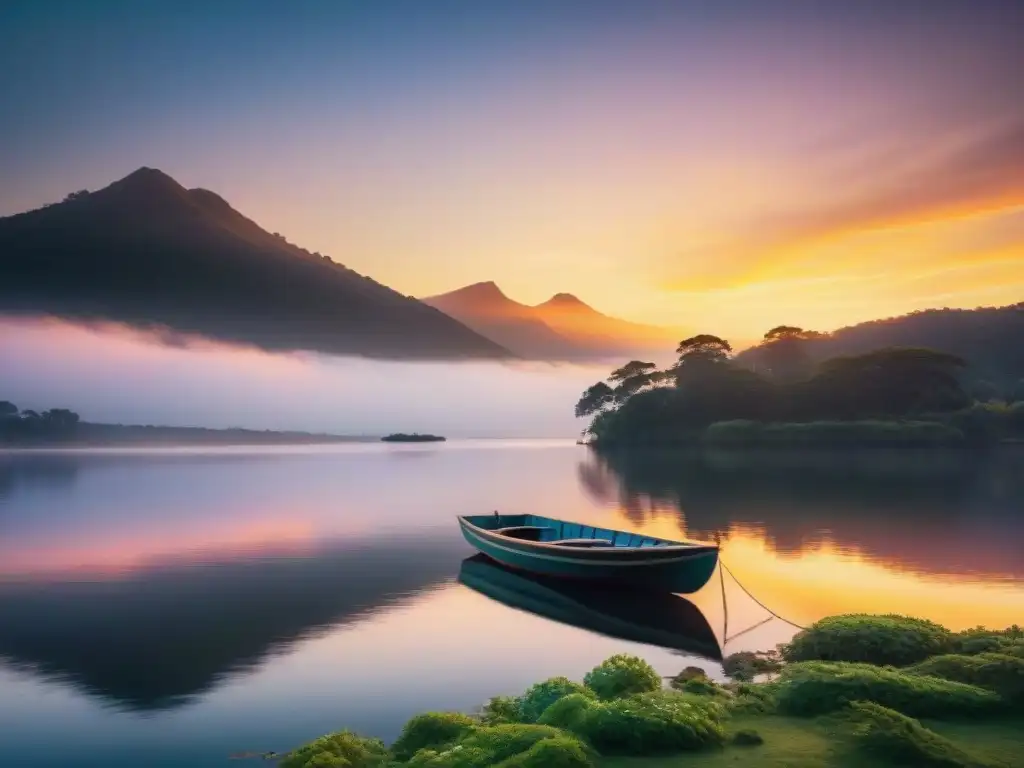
<point>561,328</point>
<point>148,252</point>
<point>488,311</point>
<point>991,339</point>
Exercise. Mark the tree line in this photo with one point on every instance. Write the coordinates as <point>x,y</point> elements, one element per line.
<point>27,425</point>
<point>706,385</point>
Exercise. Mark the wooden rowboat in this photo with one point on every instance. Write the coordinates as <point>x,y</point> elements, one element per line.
<point>560,548</point>
<point>641,616</point>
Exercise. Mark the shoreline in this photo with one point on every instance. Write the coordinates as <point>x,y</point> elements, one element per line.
<point>853,690</point>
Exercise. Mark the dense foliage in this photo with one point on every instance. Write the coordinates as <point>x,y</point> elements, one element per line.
<point>542,695</point>
<point>892,735</point>
<point>433,730</point>
<point>889,396</point>
<point>559,752</point>
<point>818,687</point>
<point>622,675</point>
<point>895,640</point>
<point>501,742</point>
<point>26,426</point>
<point>997,672</point>
<point>988,338</point>
<point>500,709</point>
<point>650,723</point>
<point>872,707</point>
<point>338,750</point>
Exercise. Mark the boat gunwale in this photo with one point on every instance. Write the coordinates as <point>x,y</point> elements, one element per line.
<point>678,548</point>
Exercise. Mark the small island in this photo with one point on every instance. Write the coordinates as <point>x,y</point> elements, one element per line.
<point>415,437</point>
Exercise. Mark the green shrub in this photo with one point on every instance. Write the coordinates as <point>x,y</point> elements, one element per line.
<point>1013,649</point>
<point>816,687</point>
<point>652,723</point>
<point>997,672</point>
<point>747,738</point>
<point>559,752</point>
<point>894,736</point>
<point>746,665</point>
<point>748,698</point>
<point>622,675</point>
<point>456,756</point>
<point>689,673</point>
<point>505,745</point>
<point>343,749</point>
<point>501,742</point>
<point>976,644</point>
<point>433,730</point>
<point>982,640</point>
<point>500,710</point>
<point>542,695</point>
<point>699,686</point>
<point>891,640</point>
<point>567,711</point>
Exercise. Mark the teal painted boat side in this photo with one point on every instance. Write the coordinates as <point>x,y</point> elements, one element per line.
<point>659,565</point>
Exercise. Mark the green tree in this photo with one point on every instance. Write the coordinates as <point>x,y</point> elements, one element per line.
<point>785,354</point>
<point>61,419</point>
<point>700,356</point>
<point>635,376</point>
<point>896,381</point>
<point>595,400</point>
<point>703,348</point>
<point>7,409</point>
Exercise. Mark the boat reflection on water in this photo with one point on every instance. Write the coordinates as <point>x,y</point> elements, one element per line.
<point>656,618</point>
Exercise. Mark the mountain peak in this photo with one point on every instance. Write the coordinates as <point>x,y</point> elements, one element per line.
<point>488,288</point>
<point>146,183</point>
<point>482,293</point>
<point>564,301</point>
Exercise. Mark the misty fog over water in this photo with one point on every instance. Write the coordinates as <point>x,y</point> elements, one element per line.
<point>110,374</point>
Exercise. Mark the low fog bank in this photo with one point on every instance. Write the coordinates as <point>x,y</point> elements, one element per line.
<point>111,374</point>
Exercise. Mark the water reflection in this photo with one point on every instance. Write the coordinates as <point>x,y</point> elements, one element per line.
<point>24,471</point>
<point>159,636</point>
<point>932,532</point>
<point>661,619</point>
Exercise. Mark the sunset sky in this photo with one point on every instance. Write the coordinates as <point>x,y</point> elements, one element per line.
<point>722,167</point>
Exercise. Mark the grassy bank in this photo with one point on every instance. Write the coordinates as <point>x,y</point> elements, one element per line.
<point>847,691</point>
<point>791,742</point>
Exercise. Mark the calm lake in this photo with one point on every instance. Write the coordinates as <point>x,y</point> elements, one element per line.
<point>175,607</point>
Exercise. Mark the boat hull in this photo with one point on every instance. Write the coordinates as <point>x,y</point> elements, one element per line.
<point>667,570</point>
<point>641,616</point>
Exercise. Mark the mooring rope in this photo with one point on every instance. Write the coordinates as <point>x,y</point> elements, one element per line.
<point>725,606</point>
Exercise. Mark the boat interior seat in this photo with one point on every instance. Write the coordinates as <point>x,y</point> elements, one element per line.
<point>527,532</point>
<point>583,543</point>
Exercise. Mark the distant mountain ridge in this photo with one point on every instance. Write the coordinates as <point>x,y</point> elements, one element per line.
<point>563,328</point>
<point>148,252</point>
<point>991,339</point>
